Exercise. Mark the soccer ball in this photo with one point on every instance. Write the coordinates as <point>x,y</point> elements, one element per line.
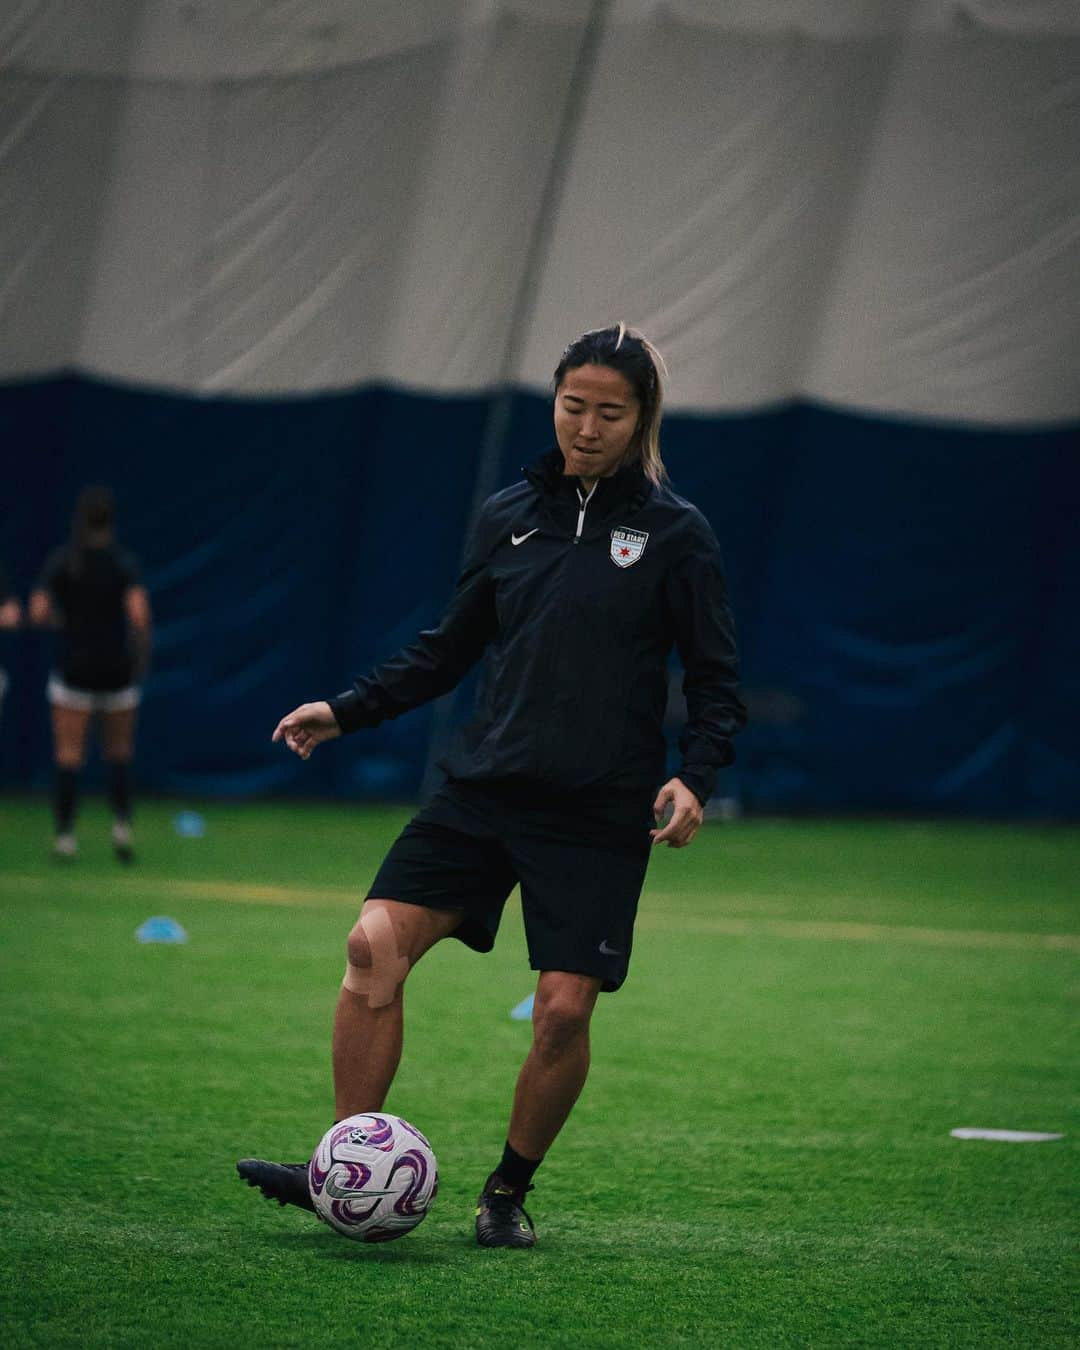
<point>373,1177</point>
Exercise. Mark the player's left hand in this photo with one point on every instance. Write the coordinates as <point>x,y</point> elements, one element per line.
<point>686,814</point>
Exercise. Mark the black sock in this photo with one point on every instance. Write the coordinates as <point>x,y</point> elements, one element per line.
<point>515,1170</point>
<point>120,790</point>
<point>64,799</point>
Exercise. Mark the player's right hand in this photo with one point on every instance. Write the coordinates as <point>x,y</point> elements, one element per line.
<point>306,727</point>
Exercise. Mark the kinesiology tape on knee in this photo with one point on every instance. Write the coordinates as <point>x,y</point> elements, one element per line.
<point>388,968</point>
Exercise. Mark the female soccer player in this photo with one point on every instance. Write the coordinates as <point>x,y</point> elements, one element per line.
<point>10,618</point>
<point>577,583</point>
<point>90,590</point>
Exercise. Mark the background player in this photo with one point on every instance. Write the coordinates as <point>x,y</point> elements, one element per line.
<point>10,618</point>
<point>90,591</point>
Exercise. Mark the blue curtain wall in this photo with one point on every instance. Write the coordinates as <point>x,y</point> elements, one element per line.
<point>906,593</point>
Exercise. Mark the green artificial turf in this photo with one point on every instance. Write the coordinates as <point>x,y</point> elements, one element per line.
<point>761,1157</point>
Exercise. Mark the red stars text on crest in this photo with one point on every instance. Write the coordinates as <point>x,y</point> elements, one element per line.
<point>627,545</point>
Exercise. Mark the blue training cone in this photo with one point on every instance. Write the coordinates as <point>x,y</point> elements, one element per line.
<point>523,1011</point>
<point>160,929</point>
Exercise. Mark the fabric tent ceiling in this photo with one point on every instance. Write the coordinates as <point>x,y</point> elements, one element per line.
<point>872,205</point>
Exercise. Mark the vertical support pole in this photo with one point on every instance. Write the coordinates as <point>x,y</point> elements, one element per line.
<point>498,419</point>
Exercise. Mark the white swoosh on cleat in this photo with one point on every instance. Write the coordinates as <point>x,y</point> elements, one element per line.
<point>520,538</point>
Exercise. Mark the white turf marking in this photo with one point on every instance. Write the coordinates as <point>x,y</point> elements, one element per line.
<point>1006,1136</point>
<point>656,917</point>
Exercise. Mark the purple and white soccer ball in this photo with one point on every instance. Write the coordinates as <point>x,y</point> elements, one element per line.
<point>373,1177</point>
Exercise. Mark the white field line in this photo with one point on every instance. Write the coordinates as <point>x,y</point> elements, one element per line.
<point>655,918</point>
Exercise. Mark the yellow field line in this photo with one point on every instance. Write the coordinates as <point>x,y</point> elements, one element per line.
<point>819,930</point>
<point>655,918</point>
<point>235,892</point>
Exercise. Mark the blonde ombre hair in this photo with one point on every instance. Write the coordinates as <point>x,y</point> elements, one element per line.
<point>634,357</point>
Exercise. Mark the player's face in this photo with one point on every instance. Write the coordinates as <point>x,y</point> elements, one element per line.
<point>596,416</point>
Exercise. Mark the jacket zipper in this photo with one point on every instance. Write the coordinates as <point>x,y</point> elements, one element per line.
<point>581,514</point>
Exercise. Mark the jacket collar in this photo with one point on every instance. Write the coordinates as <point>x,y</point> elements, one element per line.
<point>628,487</point>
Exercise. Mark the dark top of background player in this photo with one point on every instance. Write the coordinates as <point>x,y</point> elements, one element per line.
<point>10,612</point>
<point>91,589</point>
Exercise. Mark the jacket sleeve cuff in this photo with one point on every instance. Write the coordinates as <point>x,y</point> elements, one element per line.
<point>349,711</point>
<point>700,779</point>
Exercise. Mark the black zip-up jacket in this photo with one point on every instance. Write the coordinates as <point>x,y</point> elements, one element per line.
<point>577,608</point>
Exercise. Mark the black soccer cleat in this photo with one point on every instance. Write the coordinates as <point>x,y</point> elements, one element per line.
<point>500,1219</point>
<point>287,1183</point>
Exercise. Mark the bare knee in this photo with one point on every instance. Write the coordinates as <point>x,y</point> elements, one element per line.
<point>358,948</point>
<point>561,1020</point>
<point>71,727</point>
<point>118,736</point>
<point>378,957</point>
<point>386,941</point>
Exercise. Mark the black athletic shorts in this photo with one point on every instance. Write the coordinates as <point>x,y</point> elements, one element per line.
<point>580,870</point>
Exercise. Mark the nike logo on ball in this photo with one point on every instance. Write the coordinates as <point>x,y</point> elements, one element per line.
<point>520,538</point>
<point>605,950</point>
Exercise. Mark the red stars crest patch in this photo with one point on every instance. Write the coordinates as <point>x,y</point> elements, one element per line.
<point>627,546</point>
